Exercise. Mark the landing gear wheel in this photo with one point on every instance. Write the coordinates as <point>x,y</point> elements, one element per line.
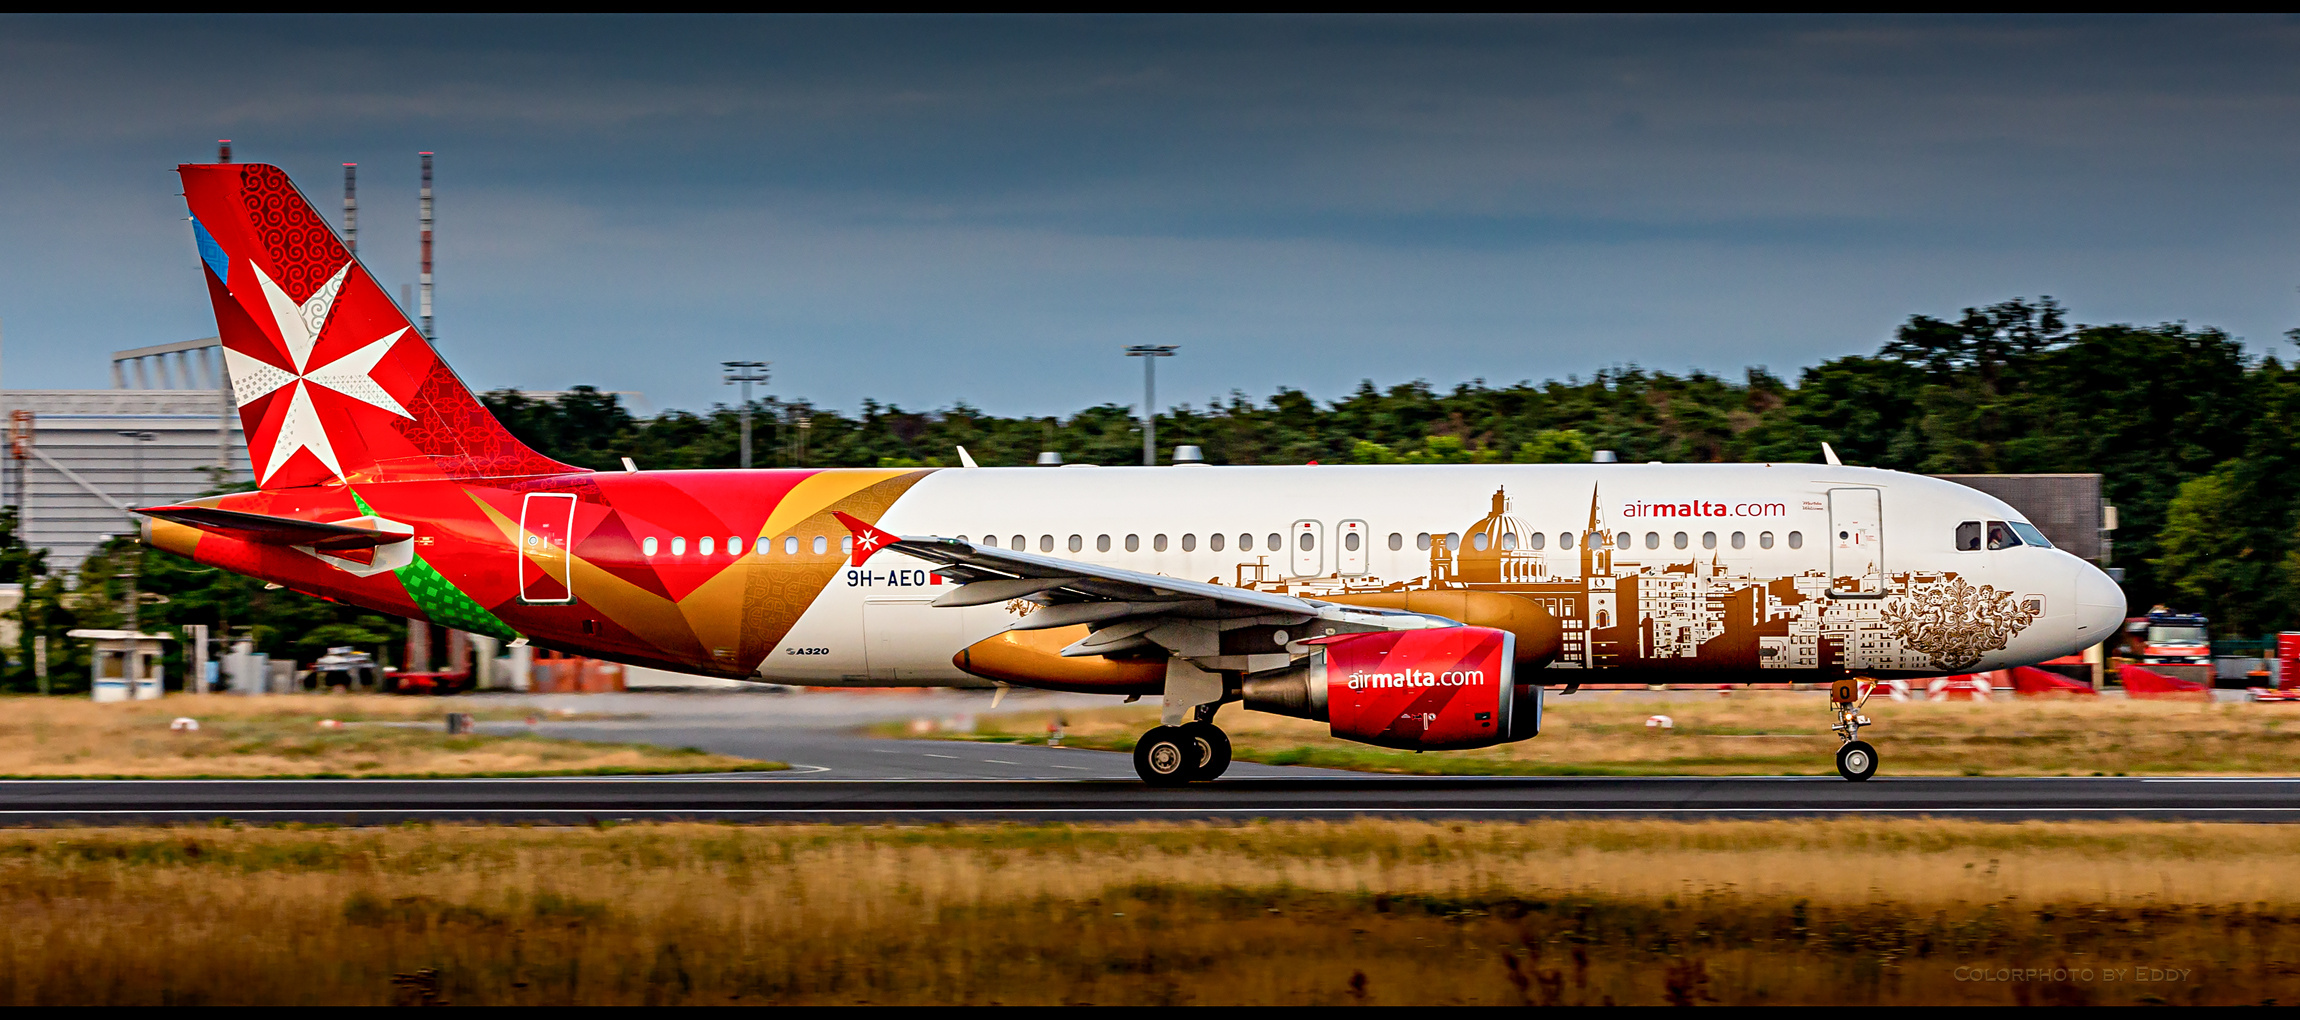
<point>1856,760</point>
<point>1165,756</point>
<point>1211,747</point>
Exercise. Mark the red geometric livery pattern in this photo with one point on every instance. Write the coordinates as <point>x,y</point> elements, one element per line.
<point>351,416</point>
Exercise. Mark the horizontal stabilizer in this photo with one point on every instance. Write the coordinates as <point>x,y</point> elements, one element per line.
<point>264,529</point>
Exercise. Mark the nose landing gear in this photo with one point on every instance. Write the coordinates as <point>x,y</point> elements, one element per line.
<point>1193,752</point>
<point>1856,760</point>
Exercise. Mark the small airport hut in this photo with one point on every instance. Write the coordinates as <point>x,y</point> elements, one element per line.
<point>116,678</point>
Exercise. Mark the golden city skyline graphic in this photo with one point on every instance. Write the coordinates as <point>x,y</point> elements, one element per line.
<point>1670,609</point>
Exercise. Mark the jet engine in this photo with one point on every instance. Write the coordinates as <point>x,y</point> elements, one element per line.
<point>1444,688</point>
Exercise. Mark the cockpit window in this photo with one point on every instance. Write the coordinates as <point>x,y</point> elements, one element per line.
<point>1969,536</point>
<point>2029,535</point>
<point>2001,536</point>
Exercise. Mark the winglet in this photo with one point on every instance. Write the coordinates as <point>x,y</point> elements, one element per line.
<point>868,539</point>
<point>1830,456</point>
<point>966,459</point>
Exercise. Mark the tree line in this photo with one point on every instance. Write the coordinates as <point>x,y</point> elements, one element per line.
<point>2196,441</point>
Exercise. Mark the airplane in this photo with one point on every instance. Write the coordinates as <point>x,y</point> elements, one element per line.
<point>1423,607</point>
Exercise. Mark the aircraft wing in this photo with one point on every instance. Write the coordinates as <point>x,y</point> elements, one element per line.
<point>1071,592</point>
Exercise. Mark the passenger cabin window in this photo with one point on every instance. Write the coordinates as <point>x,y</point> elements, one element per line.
<point>1215,541</point>
<point>1077,543</point>
<point>1623,541</point>
<point>822,545</point>
<point>1478,541</point>
<point>1708,540</point>
<point>734,545</point>
<point>846,545</point>
<point>1422,541</point>
<point>1740,540</point>
<point>791,546</point>
<point>705,544</point>
<point>1969,536</point>
<point>988,540</point>
<point>1680,540</point>
<point>1020,543</point>
<point>1350,542</point>
<point>1101,543</point>
<point>1565,540</point>
<point>1453,541</point>
<point>1276,542</point>
<point>1245,543</point>
<point>1133,543</point>
<point>1189,543</point>
<point>1539,540</point>
<point>1764,540</point>
<point>1157,543</point>
<point>767,545</point>
<point>648,546</point>
<point>1310,541</point>
<point>1796,540</point>
<point>1509,542</point>
<point>679,546</point>
<point>1045,543</point>
<point>1397,541</point>
<point>1653,540</point>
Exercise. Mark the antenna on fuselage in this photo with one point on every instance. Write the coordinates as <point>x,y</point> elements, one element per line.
<point>1830,456</point>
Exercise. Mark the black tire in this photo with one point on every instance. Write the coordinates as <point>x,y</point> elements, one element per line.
<point>1164,756</point>
<point>1213,747</point>
<point>1857,761</point>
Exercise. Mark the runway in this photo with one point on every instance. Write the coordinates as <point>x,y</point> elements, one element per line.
<point>841,775</point>
<point>812,797</point>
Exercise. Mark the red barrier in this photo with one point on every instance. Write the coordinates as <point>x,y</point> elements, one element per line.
<point>2142,682</point>
<point>2029,681</point>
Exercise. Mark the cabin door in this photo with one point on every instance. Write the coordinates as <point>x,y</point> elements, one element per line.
<point>546,526</point>
<point>1856,543</point>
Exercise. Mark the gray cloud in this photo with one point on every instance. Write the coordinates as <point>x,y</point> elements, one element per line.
<point>935,209</point>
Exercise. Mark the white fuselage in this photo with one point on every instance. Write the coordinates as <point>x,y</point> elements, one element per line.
<point>1734,570</point>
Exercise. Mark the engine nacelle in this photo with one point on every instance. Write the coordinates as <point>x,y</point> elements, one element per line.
<point>1449,687</point>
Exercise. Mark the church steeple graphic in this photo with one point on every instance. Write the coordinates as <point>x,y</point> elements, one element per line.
<point>1596,548</point>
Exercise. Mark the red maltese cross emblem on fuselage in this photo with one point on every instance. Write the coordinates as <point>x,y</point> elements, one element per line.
<point>348,377</point>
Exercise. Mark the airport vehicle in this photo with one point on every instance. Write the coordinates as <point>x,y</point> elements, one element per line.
<point>2169,637</point>
<point>1421,606</point>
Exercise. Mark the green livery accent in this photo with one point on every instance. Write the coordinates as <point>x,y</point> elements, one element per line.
<point>440,599</point>
<point>447,605</point>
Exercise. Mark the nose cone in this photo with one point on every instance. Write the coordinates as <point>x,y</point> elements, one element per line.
<point>2099,606</point>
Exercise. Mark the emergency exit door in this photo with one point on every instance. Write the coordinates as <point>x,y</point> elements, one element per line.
<point>546,526</point>
<point>1307,560</point>
<point>1856,543</point>
<point>1351,539</point>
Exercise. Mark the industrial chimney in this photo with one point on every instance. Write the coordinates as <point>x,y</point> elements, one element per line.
<point>351,207</point>
<point>423,279</point>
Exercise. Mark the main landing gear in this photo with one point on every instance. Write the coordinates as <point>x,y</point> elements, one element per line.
<point>1193,752</point>
<point>1856,760</point>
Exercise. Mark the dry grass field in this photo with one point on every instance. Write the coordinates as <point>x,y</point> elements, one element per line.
<point>1847,911</point>
<point>1768,733</point>
<point>281,736</point>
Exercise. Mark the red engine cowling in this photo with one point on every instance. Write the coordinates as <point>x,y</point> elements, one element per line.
<point>1452,687</point>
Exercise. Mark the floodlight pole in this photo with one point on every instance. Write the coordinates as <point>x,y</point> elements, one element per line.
<point>745,373</point>
<point>1150,353</point>
<point>135,562</point>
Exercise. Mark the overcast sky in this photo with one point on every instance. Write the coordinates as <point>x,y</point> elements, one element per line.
<point>928,211</point>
